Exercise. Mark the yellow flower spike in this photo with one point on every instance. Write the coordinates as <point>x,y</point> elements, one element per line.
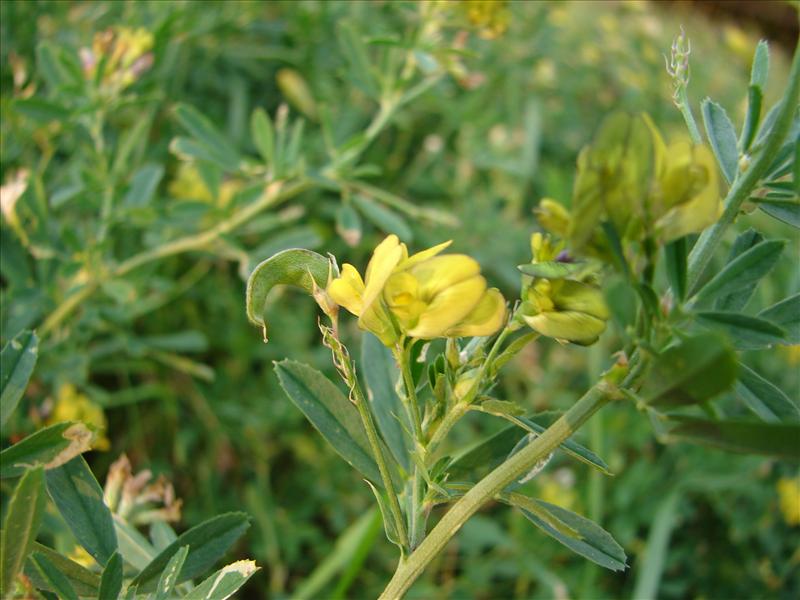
<point>422,296</point>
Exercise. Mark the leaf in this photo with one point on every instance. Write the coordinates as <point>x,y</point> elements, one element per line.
<point>675,253</point>
<point>748,333</point>
<point>330,412</point>
<point>764,398</point>
<point>589,539</point>
<point>17,360</point>
<point>386,515</point>
<point>770,439</point>
<point>162,535</point>
<point>691,371</point>
<point>166,582</point>
<point>656,551</point>
<point>143,185</point>
<point>722,136</point>
<point>133,546</point>
<point>41,110</point>
<point>56,580</point>
<point>745,270</point>
<point>23,517</point>
<point>111,581</point>
<point>760,68</point>
<point>225,582</point>
<point>297,267</point>
<point>551,269</point>
<point>355,51</point>
<point>785,314</point>
<point>787,211</point>
<point>383,218</point>
<point>615,245</point>
<point>50,447</point>
<point>80,578</point>
<point>263,135</point>
<point>381,373</point>
<point>737,300</point>
<point>755,97</point>
<point>79,499</point>
<point>208,136</point>
<point>487,453</point>
<point>207,542</point>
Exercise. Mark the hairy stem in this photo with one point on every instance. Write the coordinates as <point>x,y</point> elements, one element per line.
<point>744,184</point>
<point>488,487</point>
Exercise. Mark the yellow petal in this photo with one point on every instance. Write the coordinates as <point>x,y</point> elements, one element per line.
<point>417,258</point>
<point>571,295</point>
<point>553,217</point>
<point>385,258</point>
<point>348,289</point>
<point>442,272</point>
<point>402,298</point>
<point>377,320</point>
<point>570,325</point>
<point>450,306</point>
<point>485,319</point>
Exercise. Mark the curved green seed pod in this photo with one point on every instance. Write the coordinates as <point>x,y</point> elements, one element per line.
<point>296,267</point>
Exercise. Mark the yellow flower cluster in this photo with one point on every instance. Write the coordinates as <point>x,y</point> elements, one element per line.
<point>124,54</point>
<point>560,307</point>
<point>71,405</point>
<point>789,497</point>
<point>421,296</point>
<point>647,189</point>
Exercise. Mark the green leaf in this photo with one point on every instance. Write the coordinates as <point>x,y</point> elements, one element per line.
<point>143,185</point>
<point>17,360</point>
<point>579,534</point>
<point>691,371</point>
<point>675,253</point>
<point>737,300</point>
<point>111,581</point>
<point>354,49</point>
<point>330,412</point>
<point>760,67</point>
<point>80,578</point>
<point>208,136</point>
<point>785,314</point>
<point>207,542</point>
<point>748,333</point>
<point>23,517</point>
<point>55,579</point>
<point>615,245</point>
<point>225,582</point>
<point>381,373</point>
<point>770,439</point>
<point>133,546</point>
<point>41,110</point>
<point>485,454</point>
<point>162,535</point>
<point>745,270</point>
<point>50,447</point>
<point>651,568</point>
<point>551,269</point>
<point>764,398</point>
<point>755,97</point>
<point>263,135</point>
<point>386,515</point>
<point>383,218</point>
<point>297,267</point>
<point>166,582</point>
<point>79,499</point>
<point>722,136</point>
<point>787,211</point>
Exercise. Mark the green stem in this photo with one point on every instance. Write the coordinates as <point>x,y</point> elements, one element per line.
<point>374,442</point>
<point>682,102</point>
<point>402,356</point>
<point>488,487</point>
<point>743,185</point>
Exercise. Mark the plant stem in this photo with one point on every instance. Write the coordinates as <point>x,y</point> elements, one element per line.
<point>682,102</point>
<point>743,185</point>
<point>374,442</point>
<point>488,487</point>
<point>402,356</point>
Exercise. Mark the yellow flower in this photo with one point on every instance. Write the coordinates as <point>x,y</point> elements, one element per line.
<point>789,497</point>
<point>422,296</point>
<point>554,217</point>
<point>71,405</point>
<point>566,310</point>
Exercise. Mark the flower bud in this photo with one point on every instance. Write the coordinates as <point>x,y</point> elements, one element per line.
<point>566,310</point>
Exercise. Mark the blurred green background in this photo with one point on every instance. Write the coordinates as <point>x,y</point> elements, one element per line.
<point>164,361</point>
